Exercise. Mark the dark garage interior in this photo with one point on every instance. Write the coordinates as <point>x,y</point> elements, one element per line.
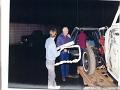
<point>29,24</point>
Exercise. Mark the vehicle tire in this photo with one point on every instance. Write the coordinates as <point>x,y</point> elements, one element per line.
<point>89,61</point>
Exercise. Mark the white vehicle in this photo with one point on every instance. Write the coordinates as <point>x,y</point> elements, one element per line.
<point>112,47</point>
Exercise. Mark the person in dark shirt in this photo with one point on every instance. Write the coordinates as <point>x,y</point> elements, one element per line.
<point>81,41</point>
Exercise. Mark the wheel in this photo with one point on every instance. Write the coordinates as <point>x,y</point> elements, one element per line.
<point>89,61</point>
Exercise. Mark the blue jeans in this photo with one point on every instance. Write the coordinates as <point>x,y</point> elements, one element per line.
<point>64,67</point>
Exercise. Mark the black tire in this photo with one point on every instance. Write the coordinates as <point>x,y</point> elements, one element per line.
<point>89,61</point>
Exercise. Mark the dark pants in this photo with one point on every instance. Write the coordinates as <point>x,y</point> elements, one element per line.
<point>64,56</point>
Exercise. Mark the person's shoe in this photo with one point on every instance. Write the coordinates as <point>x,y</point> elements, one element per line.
<point>53,87</point>
<point>50,87</point>
<point>57,87</point>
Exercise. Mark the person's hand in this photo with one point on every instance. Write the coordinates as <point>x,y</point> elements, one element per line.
<point>69,35</point>
<point>61,48</point>
<point>65,50</point>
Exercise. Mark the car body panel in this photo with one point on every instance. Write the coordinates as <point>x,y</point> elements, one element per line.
<point>112,47</point>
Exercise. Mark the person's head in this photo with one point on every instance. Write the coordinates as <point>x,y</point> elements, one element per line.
<point>53,32</point>
<point>65,31</point>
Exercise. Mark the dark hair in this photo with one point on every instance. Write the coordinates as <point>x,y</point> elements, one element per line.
<point>53,29</point>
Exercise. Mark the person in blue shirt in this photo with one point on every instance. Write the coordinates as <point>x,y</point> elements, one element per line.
<point>51,54</point>
<point>64,38</point>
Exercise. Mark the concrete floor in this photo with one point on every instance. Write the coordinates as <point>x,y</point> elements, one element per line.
<point>32,86</point>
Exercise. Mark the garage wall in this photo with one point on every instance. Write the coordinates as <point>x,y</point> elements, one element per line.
<point>17,30</point>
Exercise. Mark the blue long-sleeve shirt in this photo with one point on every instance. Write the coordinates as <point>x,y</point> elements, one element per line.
<point>51,50</point>
<point>62,40</point>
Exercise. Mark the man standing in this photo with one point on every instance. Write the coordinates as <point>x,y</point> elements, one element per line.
<point>63,38</point>
<point>81,40</point>
<point>51,54</point>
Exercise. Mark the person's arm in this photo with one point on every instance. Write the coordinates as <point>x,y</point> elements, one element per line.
<point>54,50</point>
<point>69,35</point>
<point>86,37</point>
